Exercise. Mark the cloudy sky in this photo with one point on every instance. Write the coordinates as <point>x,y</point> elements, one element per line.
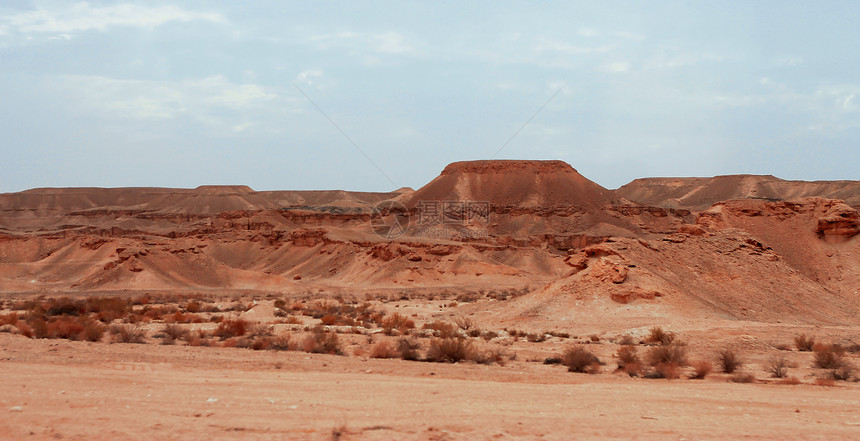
<point>379,95</point>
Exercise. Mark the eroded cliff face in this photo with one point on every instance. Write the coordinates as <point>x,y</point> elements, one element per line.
<point>577,247</point>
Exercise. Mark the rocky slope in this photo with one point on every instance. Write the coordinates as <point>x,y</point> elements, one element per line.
<point>581,251</point>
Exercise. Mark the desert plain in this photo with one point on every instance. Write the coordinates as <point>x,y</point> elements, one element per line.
<point>502,300</point>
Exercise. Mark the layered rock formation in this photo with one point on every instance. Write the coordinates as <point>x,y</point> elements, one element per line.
<point>721,248</point>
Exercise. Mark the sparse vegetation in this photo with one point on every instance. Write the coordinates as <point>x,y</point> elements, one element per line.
<point>845,372</point>
<point>728,361</point>
<point>127,334</point>
<point>701,369</point>
<point>321,341</point>
<point>657,335</point>
<point>777,366</point>
<point>231,328</point>
<point>383,349</point>
<point>827,356</point>
<point>628,360</point>
<point>804,343</point>
<point>740,377</point>
<point>667,360</point>
<point>579,359</point>
<point>408,349</point>
<point>450,350</point>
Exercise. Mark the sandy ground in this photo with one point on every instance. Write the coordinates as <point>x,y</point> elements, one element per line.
<point>57,389</point>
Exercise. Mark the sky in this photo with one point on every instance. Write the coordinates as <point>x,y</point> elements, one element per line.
<point>374,96</point>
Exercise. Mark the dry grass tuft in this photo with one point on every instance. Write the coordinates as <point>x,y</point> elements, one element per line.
<point>127,334</point>
<point>628,360</point>
<point>408,349</point>
<point>828,356</point>
<point>701,369</point>
<point>777,366</point>
<point>581,360</point>
<point>321,341</point>
<point>740,377</point>
<point>728,361</point>
<point>658,336</point>
<point>450,350</point>
<point>229,328</point>
<point>804,343</point>
<point>384,349</point>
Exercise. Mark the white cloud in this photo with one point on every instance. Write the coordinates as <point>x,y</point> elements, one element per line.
<point>202,99</point>
<point>788,61</point>
<point>382,43</point>
<point>84,17</point>
<point>312,78</point>
<point>681,59</point>
<point>617,67</point>
<point>391,43</point>
<point>550,45</point>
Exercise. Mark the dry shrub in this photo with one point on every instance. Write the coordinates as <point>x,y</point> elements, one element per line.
<point>728,361</point>
<point>669,371</point>
<point>127,334</point>
<point>93,330</point>
<point>197,338</point>
<point>558,334</point>
<point>329,319</point>
<point>9,319</point>
<point>321,341</point>
<point>449,350</point>
<point>627,340</point>
<point>489,335</point>
<point>740,377</point>
<point>701,369</point>
<point>397,321</point>
<point>464,323</point>
<point>441,329</point>
<point>64,306</point>
<point>108,309</point>
<point>231,342</point>
<point>580,359</point>
<point>24,329</point>
<point>804,343</point>
<point>667,360</point>
<point>39,327</point>
<point>261,343</point>
<point>845,371</point>
<point>383,349</point>
<point>628,360</point>
<point>658,336</point>
<point>777,366</point>
<point>782,347</point>
<point>193,306</point>
<point>829,382</point>
<point>231,328</point>
<point>292,320</point>
<point>828,356</point>
<point>65,326</point>
<point>408,349</point>
<point>173,331</point>
<point>674,353</point>
<point>536,337</point>
<point>281,342</point>
<point>489,356</point>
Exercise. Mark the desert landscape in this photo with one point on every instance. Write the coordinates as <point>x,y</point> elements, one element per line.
<point>505,299</point>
